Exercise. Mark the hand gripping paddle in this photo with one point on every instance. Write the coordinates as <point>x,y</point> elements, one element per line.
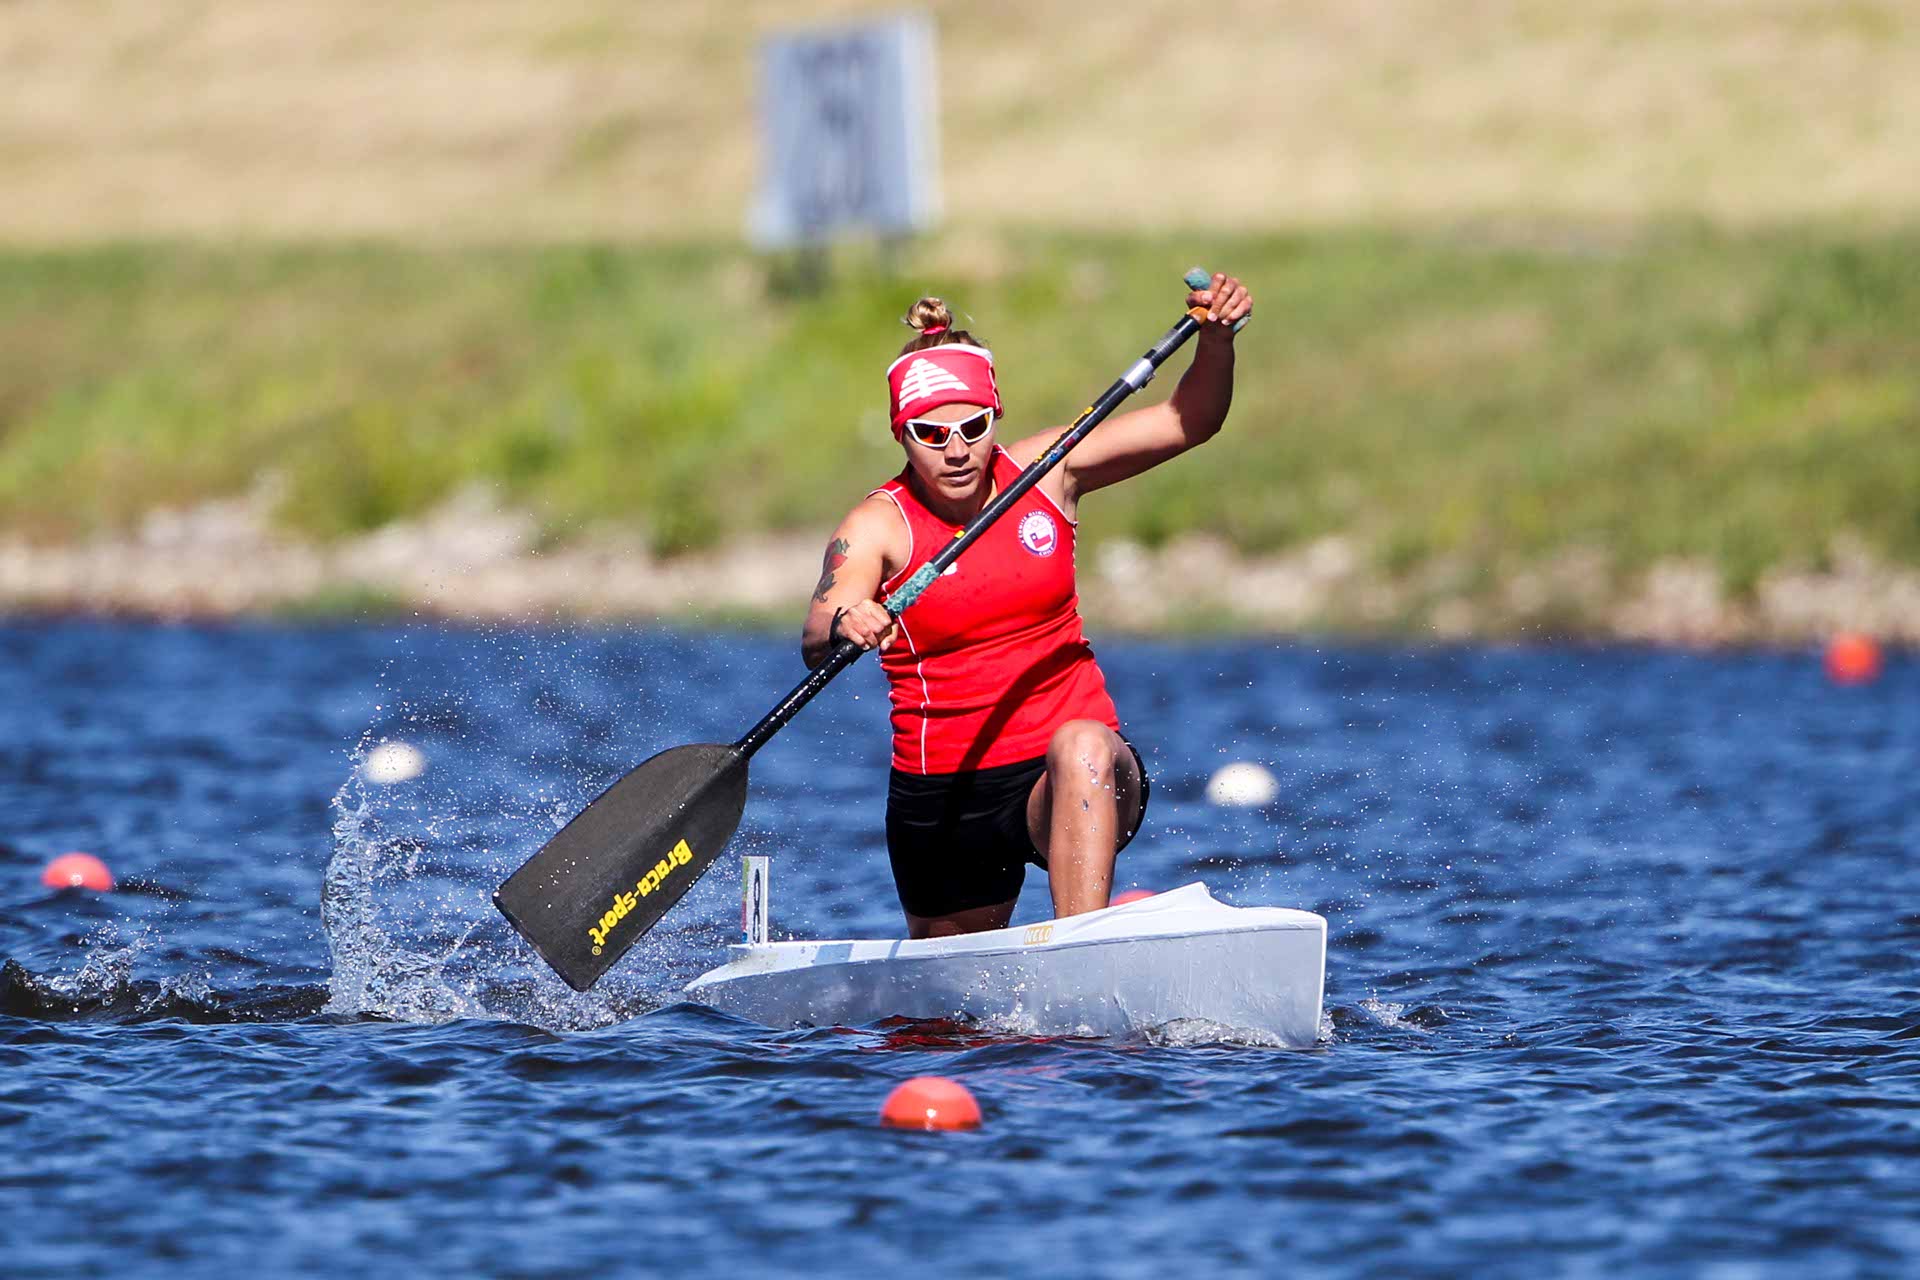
<point>612,872</point>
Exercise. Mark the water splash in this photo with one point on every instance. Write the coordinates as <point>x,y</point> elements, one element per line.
<point>1186,1033</point>
<point>104,988</point>
<point>1392,1016</point>
<point>105,976</point>
<point>374,973</point>
<point>414,938</point>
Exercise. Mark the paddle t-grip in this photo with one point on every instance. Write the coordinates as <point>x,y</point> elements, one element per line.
<point>1200,278</point>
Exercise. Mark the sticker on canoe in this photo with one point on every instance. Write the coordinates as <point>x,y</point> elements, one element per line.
<point>1038,533</point>
<point>1038,933</point>
<point>624,903</point>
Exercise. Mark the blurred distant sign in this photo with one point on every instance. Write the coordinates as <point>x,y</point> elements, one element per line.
<point>846,119</point>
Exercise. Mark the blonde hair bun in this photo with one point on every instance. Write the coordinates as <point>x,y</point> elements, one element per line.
<point>929,313</point>
<point>934,326</point>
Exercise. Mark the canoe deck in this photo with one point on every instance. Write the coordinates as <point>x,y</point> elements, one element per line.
<point>1180,957</point>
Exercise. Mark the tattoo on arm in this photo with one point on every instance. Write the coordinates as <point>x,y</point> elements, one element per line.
<point>836,556</point>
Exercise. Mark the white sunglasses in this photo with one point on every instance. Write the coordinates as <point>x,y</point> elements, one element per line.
<point>935,435</point>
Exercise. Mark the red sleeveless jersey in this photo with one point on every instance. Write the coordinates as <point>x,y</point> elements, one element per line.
<point>991,658</point>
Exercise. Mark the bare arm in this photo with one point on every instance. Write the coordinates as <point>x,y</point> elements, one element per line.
<point>851,572</point>
<point>1129,443</point>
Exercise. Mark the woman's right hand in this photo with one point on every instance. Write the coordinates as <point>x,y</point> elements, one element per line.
<point>870,543</point>
<point>868,624</point>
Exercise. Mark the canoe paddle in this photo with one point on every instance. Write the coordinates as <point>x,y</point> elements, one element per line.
<point>610,874</point>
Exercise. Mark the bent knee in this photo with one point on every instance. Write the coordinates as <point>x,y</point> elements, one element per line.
<point>1086,744</point>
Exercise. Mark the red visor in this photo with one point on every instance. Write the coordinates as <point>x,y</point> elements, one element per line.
<point>951,374</point>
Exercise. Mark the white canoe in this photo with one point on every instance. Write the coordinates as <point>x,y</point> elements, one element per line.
<point>1181,960</point>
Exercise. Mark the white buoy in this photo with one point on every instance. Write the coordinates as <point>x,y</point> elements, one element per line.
<point>1242,784</point>
<point>393,762</point>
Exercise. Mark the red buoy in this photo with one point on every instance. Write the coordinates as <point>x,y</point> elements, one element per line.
<point>1131,895</point>
<point>77,871</point>
<point>1853,658</point>
<point>930,1102</point>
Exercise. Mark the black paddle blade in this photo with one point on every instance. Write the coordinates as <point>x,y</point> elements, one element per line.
<point>611,873</point>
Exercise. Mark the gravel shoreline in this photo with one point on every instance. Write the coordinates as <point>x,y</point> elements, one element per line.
<point>470,560</point>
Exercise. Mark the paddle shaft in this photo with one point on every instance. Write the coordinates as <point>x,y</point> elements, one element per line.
<point>844,651</point>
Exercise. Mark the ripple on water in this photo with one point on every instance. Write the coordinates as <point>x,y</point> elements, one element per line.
<point>1620,974</point>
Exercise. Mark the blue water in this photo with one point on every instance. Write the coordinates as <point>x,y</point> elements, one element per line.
<point>1622,973</point>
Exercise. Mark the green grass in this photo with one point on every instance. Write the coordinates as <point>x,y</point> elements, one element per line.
<point>1490,400</point>
<point>354,601</point>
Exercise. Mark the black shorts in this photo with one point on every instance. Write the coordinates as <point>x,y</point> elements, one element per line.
<point>959,840</point>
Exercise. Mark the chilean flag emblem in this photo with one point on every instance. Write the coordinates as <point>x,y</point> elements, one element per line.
<point>1038,533</point>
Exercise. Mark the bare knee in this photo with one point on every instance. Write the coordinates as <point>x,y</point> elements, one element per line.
<point>1082,749</point>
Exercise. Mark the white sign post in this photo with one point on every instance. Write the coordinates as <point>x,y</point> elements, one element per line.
<point>846,122</point>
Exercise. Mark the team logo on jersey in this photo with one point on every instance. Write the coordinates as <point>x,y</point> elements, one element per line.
<point>1038,533</point>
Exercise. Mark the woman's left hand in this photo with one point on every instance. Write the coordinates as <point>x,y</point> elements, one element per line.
<point>1227,302</point>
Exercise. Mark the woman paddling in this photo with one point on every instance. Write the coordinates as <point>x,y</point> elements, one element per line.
<point>1006,746</point>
